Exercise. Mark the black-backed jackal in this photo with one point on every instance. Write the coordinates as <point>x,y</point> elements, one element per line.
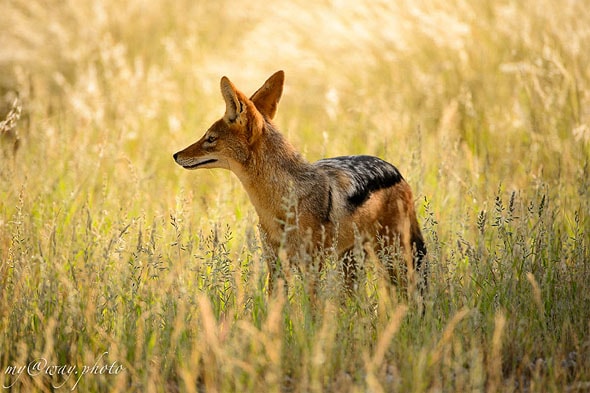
<point>337,200</point>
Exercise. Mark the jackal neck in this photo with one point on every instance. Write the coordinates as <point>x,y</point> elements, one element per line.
<point>275,169</point>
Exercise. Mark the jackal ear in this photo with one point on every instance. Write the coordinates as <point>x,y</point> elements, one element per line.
<point>233,106</point>
<point>267,97</point>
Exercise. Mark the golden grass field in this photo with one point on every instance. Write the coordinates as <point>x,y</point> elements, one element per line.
<point>120,271</point>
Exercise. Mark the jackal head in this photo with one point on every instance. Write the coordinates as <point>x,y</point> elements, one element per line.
<point>228,142</point>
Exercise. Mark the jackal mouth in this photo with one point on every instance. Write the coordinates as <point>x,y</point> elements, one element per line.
<point>198,164</point>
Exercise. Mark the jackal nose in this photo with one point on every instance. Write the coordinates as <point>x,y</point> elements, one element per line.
<point>175,156</point>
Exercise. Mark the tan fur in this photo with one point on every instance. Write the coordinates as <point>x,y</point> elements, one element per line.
<point>246,142</point>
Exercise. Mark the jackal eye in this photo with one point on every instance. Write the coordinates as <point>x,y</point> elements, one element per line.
<point>211,139</point>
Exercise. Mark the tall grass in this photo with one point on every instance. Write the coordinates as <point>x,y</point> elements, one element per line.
<point>144,277</point>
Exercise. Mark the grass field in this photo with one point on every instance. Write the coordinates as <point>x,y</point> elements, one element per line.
<point>120,271</point>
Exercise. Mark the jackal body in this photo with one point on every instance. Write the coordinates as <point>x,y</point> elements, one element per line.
<point>336,200</point>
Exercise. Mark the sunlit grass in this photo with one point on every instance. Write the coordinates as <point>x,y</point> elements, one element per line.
<point>106,245</point>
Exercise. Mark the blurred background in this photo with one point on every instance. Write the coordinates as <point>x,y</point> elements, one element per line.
<point>107,244</point>
<point>500,86</point>
<point>467,98</point>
